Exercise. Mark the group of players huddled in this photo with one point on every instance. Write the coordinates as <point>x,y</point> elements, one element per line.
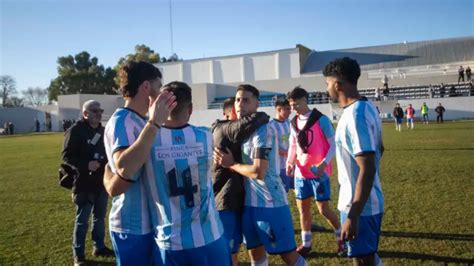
<point>188,195</point>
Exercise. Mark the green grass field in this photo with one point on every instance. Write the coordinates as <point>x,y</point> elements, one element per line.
<point>427,178</point>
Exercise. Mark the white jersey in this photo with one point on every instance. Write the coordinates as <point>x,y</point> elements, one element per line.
<point>283,135</point>
<point>358,131</point>
<point>183,208</point>
<point>270,191</point>
<point>129,213</point>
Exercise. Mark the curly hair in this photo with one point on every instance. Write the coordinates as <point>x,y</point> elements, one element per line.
<point>133,74</point>
<point>344,68</point>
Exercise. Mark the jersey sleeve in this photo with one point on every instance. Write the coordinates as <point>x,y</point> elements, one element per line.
<point>262,142</point>
<point>121,134</point>
<point>326,127</point>
<point>361,132</point>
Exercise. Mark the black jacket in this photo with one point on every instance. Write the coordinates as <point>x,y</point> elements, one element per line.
<point>398,112</point>
<point>228,185</point>
<point>80,147</point>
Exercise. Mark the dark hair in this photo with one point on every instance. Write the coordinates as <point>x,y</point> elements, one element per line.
<point>228,103</point>
<point>249,88</point>
<point>133,74</point>
<point>182,92</point>
<point>344,68</point>
<point>297,93</point>
<point>282,103</point>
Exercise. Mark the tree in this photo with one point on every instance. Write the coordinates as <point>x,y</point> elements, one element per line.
<point>142,53</point>
<point>81,74</point>
<point>15,102</point>
<point>36,96</point>
<point>8,86</point>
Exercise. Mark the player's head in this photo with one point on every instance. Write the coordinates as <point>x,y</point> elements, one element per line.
<point>92,113</point>
<point>341,75</point>
<point>397,105</point>
<point>140,79</point>
<point>409,105</point>
<point>246,100</point>
<point>283,109</point>
<point>228,109</point>
<point>184,106</point>
<point>298,100</point>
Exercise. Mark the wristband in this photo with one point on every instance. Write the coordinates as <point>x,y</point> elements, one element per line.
<point>125,179</point>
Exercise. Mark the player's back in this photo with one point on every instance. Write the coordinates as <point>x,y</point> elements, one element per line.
<point>179,171</point>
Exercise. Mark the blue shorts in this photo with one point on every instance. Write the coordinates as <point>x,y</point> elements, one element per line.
<point>232,223</point>
<point>367,240</point>
<point>214,254</point>
<point>409,120</point>
<point>135,249</point>
<point>288,181</point>
<point>398,120</point>
<point>271,227</point>
<point>319,188</point>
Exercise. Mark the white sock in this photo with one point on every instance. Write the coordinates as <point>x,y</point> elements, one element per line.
<point>377,260</point>
<point>306,238</point>
<point>262,262</point>
<point>300,261</point>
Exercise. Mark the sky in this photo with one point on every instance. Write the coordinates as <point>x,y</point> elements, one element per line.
<point>34,33</point>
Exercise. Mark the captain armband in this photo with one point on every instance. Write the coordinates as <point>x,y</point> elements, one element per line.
<point>262,153</point>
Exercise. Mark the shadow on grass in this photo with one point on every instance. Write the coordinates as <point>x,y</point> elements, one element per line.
<point>433,236</point>
<point>418,256</point>
<point>98,263</point>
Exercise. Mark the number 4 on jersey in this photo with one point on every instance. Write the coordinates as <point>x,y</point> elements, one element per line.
<point>188,189</point>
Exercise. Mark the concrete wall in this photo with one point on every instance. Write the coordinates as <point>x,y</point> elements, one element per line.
<point>235,69</point>
<point>23,118</point>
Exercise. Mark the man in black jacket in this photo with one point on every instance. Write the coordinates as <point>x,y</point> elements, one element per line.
<point>84,149</point>
<point>228,185</point>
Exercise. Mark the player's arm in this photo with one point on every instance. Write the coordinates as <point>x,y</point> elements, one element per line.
<point>328,132</point>
<point>257,170</point>
<point>241,129</point>
<point>129,161</point>
<point>290,160</point>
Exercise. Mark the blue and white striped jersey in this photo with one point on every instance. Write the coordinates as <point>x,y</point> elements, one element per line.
<point>269,192</point>
<point>129,213</point>
<point>359,131</point>
<point>183,208</point>
<point>283,135</point>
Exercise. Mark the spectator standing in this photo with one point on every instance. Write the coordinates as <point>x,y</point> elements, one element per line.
<point>84,149</point>
<point>37,125</point>
<point>377,94</point>
<point>385,81</point>
<point>398,116</point>
<point>11,128</point>
<point>460,74</point>
<point>386,93</point>
<point>468,73</point>
<point>431,92</point>
<point>440,111</point>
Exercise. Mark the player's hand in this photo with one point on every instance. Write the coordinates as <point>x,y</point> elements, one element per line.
<point>290,169</point>
<point>321,168</point>
<point>350,229</point>
<point>161,107</point>
<point>93,165</point>
<point>223,158</point>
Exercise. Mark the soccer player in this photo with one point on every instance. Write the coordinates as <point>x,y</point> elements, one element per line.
<point>424,112</point>
<point>188,228</point>
<point>410,112</point>
<point>282,125</point>
<point>266,220</point>
<point>359,149</point>
<point>229,185</point>
<point>128,138</point>
<point>398,116</point>
<point>310,153</point>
